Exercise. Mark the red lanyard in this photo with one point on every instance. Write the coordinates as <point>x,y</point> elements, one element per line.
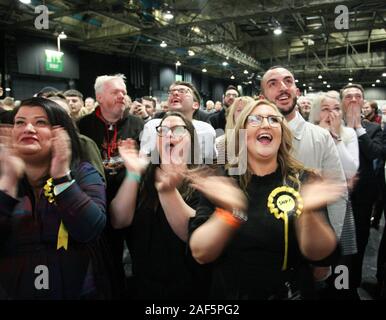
<point>111,145</point>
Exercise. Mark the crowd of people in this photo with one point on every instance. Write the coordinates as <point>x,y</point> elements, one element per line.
<point>251,198</point>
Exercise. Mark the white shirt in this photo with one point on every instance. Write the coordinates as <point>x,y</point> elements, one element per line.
<point>205,132</point>
<point>315,148</point>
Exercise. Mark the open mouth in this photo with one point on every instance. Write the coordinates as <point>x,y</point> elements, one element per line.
<point>264,138</point>
<point>283,97</point>
<point>28,139</point>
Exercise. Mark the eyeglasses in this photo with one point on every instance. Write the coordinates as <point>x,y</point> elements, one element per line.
<point>179,91</point>
<point>257,121</point>
<point>234,95</point>
<point>177,131</point>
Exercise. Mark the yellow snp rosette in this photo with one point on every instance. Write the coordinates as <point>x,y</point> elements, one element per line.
<point>281,202</point>
<point>62,241</point>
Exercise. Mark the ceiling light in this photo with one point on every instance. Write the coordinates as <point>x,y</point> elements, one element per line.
<point>232,77</point>
<point>191,53</point>
<point>384,74</point>
<point>62,35</point>
<point>328,86</point>
<point>168,15</point>
<point>324,82</point>
<point>320,76</point>
<point>225,63</point>
<point>304,85</point>
<point>178,63</point>
<point>259,76</point>
<point>278,31</point>
<point>196,29</point>
<point>377,81</point>
<point>296,80</point>
<point>309,88</point>
<point>245,71</point>
<point>250,81</point>
<point>163,44</point>
<point>373,85</point>
<point>350,79</point>
<point>8,89</point>
<point>350,83</point>
<point>25,1</point>
<point>204,70</point>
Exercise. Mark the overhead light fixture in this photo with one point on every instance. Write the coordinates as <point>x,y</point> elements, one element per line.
<point>324,82</point>
<point>373,85</point>
<point>377,81</point>
<point>245,71</point>
<point>178,63</point>
<point>163,44</point>
<point>384,74</point>
<point>309,88</point>
<point>328,86</point>
<point>225,63</point>
<point>232,77</point>
<point>204,70</point>
<point>296,80</point>
<point>191,53</point>
<point>304,85</point>
<point>320,76</point>
<point>350,79</point>
<point>259,76</point>
<point>168,15</point>
<point>8,89</point>
<point>196,29</point>
<point>277,31</point>
<point>62,35</point>
<point>350,83</point>
<point>250,81</point>
<point>25,1</point>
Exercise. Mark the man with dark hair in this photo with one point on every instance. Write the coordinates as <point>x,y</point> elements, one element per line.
<point>46,91</point>
<point>144,108</point>
<point>365,191</point>
<point>218,119</point>
<point>370,111</point>
<point>184,98</point>
<point>75,101</point>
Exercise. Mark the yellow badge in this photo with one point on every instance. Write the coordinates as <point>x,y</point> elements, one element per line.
<point>283,201</point>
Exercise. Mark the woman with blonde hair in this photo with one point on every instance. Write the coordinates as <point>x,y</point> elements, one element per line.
<point>265,251</point>
<point>233,113</point>
<point>326,112</point>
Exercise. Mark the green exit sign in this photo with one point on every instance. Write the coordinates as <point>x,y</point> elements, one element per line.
<point>54,61</point>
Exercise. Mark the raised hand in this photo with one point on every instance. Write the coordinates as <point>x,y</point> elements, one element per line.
<point>133,161</point>
<point>318,194</point>
<point>61,152</point>
<point>221,191</point>
<point>11,166</point>
<point>169,177</point>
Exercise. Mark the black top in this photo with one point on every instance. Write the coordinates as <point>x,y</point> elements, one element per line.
<point>250,266</point>
<point>163,267</point>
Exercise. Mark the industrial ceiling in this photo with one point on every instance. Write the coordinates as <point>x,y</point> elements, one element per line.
<point>324,42</point>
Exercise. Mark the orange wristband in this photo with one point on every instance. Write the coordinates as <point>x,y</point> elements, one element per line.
<point>228,218</point>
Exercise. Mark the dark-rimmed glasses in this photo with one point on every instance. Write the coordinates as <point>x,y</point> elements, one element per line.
<point>257,120</point>
<point>177,131</point>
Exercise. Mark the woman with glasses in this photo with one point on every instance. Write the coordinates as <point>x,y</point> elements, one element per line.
<point>265,252</point>
<point>156,203</point>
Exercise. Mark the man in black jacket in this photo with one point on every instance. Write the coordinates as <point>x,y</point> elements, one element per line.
<point>365,191</point>
<point>218,119</point>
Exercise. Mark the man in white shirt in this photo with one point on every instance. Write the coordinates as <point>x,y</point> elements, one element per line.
<point>184,98</point>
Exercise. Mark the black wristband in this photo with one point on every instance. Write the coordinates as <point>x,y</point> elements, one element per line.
<point>64,179</point>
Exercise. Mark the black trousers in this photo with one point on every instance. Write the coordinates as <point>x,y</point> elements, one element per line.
<point>362,214</point>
